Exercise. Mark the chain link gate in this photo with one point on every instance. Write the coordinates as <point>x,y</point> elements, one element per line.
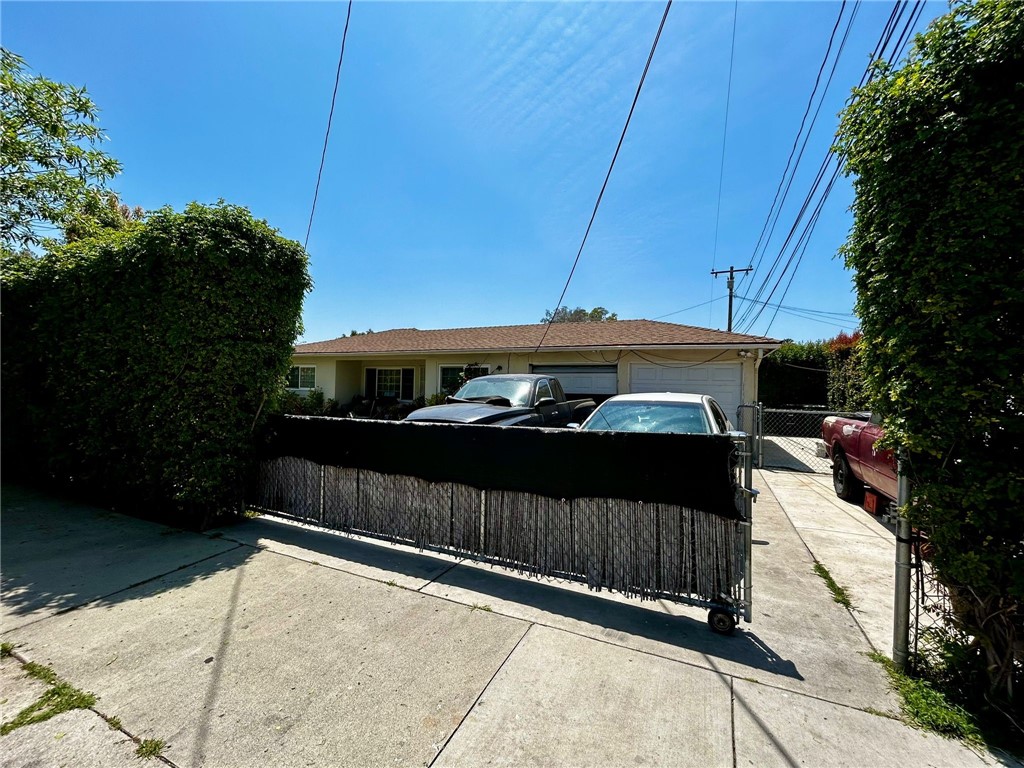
<point>786,438</point>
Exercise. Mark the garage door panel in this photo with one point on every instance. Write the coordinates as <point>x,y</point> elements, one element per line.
<point>723,381</point>
<point>583,379</point>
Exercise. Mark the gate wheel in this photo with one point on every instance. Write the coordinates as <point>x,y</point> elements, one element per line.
<point>722,622</point>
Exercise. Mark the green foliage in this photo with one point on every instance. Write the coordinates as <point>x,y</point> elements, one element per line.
<point>846,374</point>
<point>579,315</point>
<point>937,246</point>
<point>312,403</point>
<point>49,166</point>
<point>925,706</point>
<point>795,373</point>
<point>150,748</point>
<point>57,698</point>
<point>141,360</point>
<point>99,211</point>
<point>839,594</point>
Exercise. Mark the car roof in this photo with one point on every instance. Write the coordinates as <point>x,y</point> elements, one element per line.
<point>517,376</point>
<point>658,397</point>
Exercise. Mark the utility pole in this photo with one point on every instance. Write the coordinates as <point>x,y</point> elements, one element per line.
<point>731,271</point>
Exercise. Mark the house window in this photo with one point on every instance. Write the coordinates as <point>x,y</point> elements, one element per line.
<point>394,383</point>
<point>302,377</point>
<point>454,376</point>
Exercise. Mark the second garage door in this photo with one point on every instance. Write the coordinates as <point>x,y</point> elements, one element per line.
<point>723,381</point>
<point>583,380</point>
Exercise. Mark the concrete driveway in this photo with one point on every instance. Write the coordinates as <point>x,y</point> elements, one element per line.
<point>270,643</point>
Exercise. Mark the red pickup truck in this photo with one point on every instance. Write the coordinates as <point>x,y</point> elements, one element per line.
<point>850,443</point>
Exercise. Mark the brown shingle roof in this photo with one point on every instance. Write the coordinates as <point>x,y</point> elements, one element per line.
<point>614,334</point>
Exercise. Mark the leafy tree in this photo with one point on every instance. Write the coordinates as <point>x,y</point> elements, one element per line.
<point>98,211</point>
<point>579,315</point>
<point>49,161</point>
<point>937,246</point>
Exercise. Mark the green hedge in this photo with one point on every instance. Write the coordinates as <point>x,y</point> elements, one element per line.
<point>937,149</point>
<point>794,374</point>
<point>139,363</point>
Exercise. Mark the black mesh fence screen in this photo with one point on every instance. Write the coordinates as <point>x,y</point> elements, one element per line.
<point>639,514</point>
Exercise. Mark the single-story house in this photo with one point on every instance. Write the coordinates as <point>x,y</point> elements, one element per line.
<point>596,359</point>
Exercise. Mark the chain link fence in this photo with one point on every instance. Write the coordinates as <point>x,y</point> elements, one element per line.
<point>929,600</point>
<point>787,438</point>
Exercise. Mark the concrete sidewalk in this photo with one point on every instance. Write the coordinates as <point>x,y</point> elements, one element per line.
<point>269,643</point>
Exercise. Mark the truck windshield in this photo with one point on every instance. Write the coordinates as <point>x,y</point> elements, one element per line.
<point>516,391</point>
<point>649,417</point>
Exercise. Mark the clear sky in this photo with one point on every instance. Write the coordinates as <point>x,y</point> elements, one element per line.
<point>470,141</point>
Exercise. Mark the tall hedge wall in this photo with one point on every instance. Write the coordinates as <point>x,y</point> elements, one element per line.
<point>937,151</point>
<point>138,363</point>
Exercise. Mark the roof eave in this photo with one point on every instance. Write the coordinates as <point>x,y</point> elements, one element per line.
<point>531,350</point>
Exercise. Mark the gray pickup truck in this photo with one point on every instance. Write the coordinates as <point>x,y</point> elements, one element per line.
<point>510,399</point>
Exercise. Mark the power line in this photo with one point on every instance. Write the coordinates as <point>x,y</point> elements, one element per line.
<point>687,309</point>
<point>794,261</point>
<point>330,117</point>
<point>775,212</point>
<point>799,133</point>
<point>608,175</point>
<point>725,133</point>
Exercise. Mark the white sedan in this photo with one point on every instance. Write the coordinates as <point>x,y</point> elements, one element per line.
<point>673,412</point>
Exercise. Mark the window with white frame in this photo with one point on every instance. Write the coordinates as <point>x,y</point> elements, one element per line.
<point>397,383</point>
<point>302,377</point>
<point>452,377</point>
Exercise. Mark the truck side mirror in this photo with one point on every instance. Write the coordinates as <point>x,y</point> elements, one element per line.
<point>546,402</point>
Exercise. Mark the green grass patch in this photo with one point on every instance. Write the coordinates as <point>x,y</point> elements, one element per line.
<point>150,748</point>
<point>114,723</point>
<point>839,594</point>
<point>476,607</point>
<point>925,707</point>
<point>6,649</point>
<point>40,672</point>
<point>59,697</point>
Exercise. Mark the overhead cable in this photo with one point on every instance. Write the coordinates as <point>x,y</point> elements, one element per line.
<point>330,118</point>
<point>608,175</point>
<point>725,134</point>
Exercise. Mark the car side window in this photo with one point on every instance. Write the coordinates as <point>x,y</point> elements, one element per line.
<point>720,420</point>
<point>556,388</point>
<point>543,390</point>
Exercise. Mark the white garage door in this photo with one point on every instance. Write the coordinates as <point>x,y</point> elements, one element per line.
<point>583,379</point>
<point>723,381</point>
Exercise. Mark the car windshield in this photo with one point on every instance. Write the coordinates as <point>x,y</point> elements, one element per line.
<point>635,416</point>
<point>516,391</point>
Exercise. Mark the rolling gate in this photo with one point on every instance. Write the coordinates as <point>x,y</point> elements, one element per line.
<point>651,516</point>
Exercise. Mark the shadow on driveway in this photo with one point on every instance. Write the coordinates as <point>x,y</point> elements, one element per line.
<point>551,602</point>
<point>57,554</point>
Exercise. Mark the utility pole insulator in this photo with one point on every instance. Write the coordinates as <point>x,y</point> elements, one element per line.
<point>731,271</point>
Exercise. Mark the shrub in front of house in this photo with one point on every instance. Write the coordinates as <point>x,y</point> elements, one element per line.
<point>148,357</point>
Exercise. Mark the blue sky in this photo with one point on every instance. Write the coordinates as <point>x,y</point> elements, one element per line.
<point>470,141</point>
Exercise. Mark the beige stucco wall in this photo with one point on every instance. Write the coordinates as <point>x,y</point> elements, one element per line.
<point>342,377</point>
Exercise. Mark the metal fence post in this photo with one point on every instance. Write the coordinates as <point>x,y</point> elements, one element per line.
<point>748,570</point>
<point>901,604</point>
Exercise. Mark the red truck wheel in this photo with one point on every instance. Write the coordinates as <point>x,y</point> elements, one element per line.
<point>848,487</point>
